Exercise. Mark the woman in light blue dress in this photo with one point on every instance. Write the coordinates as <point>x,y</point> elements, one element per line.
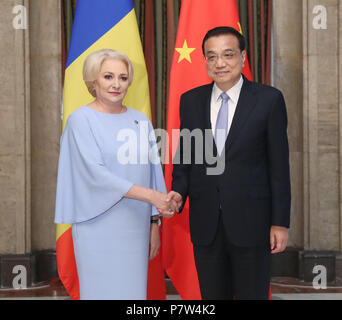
<point>110,185</point>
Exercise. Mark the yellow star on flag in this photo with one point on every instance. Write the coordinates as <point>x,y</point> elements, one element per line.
<point>184,53</point>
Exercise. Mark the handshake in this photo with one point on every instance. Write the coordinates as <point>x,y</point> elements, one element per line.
<point>167,204</point>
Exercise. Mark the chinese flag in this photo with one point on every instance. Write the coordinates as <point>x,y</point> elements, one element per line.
<point>188,71</point>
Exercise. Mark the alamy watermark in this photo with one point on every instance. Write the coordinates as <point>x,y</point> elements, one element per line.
<point>19,21</point>
<point>20,280</point>
<point>319,281</point>
<point>320,19</point>
<point>145,147</point>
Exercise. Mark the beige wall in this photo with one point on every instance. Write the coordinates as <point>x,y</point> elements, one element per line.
<point>14,133</point>
<point>288,77</point>
<point>321,105</point>
<point>30,70</point>
<point>46,94</point>
<point>307,69</point>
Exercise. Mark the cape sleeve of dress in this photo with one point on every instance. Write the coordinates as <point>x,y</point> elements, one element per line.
<point>85,187</point>
<point>158,182</point>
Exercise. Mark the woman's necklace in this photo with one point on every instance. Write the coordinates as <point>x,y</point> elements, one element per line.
<point>99,106</point>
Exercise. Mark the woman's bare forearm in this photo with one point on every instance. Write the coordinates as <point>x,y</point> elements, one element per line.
<point>140,193</point>
<point>158,199</point>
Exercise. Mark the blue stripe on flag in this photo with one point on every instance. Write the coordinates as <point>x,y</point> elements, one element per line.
<point>94,18</point>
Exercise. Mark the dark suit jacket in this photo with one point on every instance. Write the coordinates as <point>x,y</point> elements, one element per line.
<point>254,189</point>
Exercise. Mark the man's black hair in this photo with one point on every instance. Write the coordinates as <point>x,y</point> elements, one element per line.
<point>218,31</point>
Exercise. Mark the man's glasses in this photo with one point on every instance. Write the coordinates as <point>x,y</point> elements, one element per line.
<point>213,58</point>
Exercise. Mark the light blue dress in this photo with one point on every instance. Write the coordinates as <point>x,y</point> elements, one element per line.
<point>101,157</point>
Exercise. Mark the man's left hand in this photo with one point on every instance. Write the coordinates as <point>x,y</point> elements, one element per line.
<point>278,238</point>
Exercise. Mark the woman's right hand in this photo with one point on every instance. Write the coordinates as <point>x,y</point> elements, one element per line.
<point>166,206</point>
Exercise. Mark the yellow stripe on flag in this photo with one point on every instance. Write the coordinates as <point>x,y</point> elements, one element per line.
<point>61,228</point>
<point>122,35</point>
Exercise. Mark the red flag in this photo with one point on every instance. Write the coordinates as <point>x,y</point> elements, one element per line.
<point>66,264</point>
<point>188,71</point>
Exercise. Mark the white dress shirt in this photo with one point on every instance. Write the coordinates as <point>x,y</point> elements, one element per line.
<point>216,101</point>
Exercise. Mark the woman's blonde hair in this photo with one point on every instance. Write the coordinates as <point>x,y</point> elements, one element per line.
<point>92,66</point>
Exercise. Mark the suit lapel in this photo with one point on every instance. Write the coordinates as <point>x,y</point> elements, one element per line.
<point>244,108</point>
<point>206,100</point>
<point>207,120</point>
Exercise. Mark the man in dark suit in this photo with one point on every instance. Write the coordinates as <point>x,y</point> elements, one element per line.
<point>241,215</point>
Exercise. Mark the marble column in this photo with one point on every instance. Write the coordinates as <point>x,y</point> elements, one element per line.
<point>288,77</point>
<point>322,125</point>
<point>15,141</point>
<point>46,99</point>
<point>307,67</point>
<point>31,91</point>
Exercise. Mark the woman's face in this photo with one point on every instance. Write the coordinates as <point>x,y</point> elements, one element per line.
<point>112,82</point>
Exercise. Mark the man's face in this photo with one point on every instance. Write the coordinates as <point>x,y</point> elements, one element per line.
<point>224,60</point>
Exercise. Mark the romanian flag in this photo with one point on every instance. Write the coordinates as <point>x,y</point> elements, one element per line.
<point>98,25</point>
<point>189,71</point>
